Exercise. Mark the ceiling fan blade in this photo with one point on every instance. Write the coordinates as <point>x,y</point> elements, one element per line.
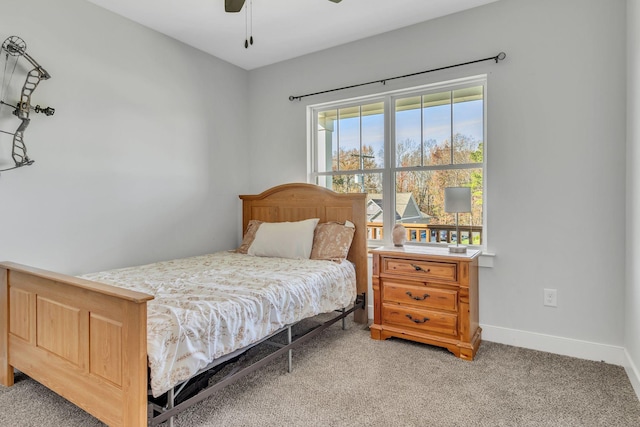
<point>233,5</point>
<point>336,1</point>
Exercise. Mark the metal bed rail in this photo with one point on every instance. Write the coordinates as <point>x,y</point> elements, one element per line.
<point>167,412</point>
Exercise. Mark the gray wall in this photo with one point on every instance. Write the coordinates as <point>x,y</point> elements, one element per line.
<point>632,308</point>
<point>152,142</point>
<point>556,153</point>
<point>145,156</point>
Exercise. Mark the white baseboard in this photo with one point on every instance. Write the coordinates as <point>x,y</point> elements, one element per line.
<point>553,344</point>
<point>633,374</point>
<point>614,355</point>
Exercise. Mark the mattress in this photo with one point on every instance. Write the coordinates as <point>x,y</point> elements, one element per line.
<point>207,306</point>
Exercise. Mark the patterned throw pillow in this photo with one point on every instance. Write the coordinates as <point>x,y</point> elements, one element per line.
<point>332,241</point>
<point>249,235</point>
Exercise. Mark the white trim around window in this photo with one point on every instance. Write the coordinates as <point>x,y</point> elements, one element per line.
<point>331,152</point>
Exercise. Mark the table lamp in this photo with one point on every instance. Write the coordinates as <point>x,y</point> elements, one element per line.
<point>456,200</point>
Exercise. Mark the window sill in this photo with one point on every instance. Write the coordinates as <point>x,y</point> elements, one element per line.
<point>486,259</point>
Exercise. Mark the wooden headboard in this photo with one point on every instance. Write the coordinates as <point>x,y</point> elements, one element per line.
<point>299,201</point>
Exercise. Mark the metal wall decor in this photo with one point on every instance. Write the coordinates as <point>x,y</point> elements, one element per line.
<point>14,48</point>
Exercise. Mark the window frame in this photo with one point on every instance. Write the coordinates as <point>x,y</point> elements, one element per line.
<point>390,167</point>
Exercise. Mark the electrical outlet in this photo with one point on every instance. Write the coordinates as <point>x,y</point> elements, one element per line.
<point>551,297</point>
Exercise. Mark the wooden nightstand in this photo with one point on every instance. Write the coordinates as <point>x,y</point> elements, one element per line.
<point>428,295</point>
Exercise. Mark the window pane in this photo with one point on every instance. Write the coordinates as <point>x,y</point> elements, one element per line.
<point>375,205</point>
<point>408,132</point>
<point>437,128</point>
<point>326,141</point>
<point>375,214</point>
<point>370,183</point>
<point>420,204</point>
<point>373,136</point>
<point>352,183</point>
<point>468,125</point>
<point>415,192</point>
<point>349,138</point>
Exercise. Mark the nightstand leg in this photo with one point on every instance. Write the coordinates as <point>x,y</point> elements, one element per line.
<point>376,333</point>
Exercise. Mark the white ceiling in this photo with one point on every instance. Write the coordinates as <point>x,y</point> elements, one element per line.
<point>282,29</point>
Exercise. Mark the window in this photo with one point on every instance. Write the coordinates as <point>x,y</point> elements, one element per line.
<point>403,149</point>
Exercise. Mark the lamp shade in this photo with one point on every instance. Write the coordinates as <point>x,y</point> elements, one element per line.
<point>457,199</point>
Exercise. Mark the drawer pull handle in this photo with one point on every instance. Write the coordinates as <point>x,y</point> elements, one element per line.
<point>424,319</point>
<point>418,298</point>
<point>418,268</point>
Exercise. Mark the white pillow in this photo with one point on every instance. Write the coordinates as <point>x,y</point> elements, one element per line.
<point>284,239</point>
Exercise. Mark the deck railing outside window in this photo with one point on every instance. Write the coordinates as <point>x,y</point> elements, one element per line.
<point>432,233</point>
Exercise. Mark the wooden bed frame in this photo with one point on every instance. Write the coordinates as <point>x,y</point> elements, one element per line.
<point>86,340</point>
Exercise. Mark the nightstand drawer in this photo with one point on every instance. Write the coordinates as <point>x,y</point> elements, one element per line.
<point>420,270</point>
<point>420,296</point>
<point>428,321</point>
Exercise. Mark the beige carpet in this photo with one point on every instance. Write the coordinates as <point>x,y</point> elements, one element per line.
<point>344,378</point>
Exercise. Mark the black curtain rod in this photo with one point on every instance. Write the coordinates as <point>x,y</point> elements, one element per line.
<point>498,57</point>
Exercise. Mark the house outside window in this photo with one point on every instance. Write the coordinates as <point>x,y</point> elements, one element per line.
<point>403,149</point>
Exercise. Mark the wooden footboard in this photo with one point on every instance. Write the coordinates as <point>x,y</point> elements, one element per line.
<point>84,340</point>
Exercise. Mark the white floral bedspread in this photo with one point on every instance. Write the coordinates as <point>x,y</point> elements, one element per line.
<point>210,305</point>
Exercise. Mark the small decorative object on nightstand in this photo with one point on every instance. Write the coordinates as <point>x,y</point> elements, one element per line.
<point>456,200</point>
<point>428,295</point>
<point>399,235</point>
